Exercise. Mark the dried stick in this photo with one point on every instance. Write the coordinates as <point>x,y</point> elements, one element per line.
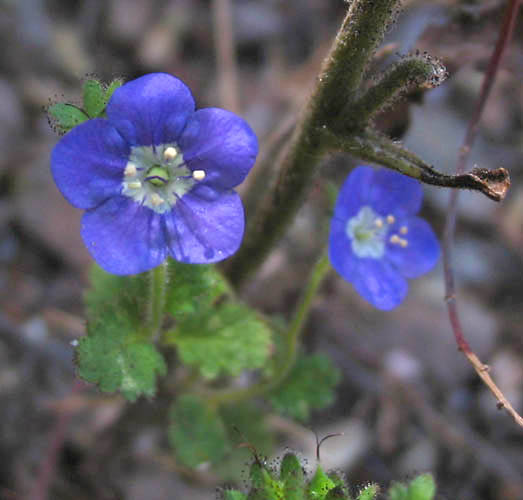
<point>505,36</point>
<point>224,40</point>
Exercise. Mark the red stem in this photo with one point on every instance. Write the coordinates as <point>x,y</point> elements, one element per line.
<point>506,32</point>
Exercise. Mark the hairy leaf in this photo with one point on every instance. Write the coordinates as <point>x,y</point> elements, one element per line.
<point>224,340</point>
<point>65,116</point>
<point>196,431</point>
<point>192,288</point>
<point>112,356</point>
<point>310,385</point>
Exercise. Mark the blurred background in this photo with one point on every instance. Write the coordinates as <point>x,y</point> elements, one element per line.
<point>408,402</point>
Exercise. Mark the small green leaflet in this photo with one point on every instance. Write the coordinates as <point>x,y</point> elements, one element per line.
<point>196,431</point>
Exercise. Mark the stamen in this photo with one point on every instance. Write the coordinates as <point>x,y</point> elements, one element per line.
<point>396,240</point>
<point>391,219</point>
<point>135,185</point>
<point>170,153</point>
<point>198,175</point>
<point>156,199</point>
<point>404,230</point>
<point>378,222</point>
<point>130,170</point>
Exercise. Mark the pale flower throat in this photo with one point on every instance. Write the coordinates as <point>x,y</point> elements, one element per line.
<point>368,232</point>
<point>157,176</point>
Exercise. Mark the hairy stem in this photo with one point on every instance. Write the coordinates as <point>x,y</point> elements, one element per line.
<point>412,72</point>
<point>377,148</point>
<point>361,32</point>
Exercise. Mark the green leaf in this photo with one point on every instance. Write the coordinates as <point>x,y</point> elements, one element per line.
<point>115,84</point>
<point>369,492</point>
<point>398,491</point>
<point>225,340</point>
<point>192,287</point>
<point>234,495</point>
<point>111,295</point>
<point>264,486</point>
<point>320,485</point>
<point>249,419</point>
<point>310,385</point>
<point>112,356</point>
<point>94,98</point>
<point>65,116</point>
<point>196,431</point>
<point>422,488</point>
<point>293,477</point>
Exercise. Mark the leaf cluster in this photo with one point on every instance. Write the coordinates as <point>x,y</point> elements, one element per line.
<point>292,483</point>
<point>65,116</point>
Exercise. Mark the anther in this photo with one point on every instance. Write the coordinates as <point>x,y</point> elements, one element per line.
<point>391,219</point>
<point>378,222</point>
<point>135,185</point>
<point>396,240</point>
<point>198,175</point>
<point>404,230</point>
<point>130,170</point>
<point>156,199</point>
<point>170,153</point>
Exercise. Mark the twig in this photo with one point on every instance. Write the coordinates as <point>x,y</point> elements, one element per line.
<point>505,36</point>
<point>362,369</point>
<point>226,64</point>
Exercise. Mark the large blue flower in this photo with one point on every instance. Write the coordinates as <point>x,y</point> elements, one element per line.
<point>376,240</point>
<point>156,177</point>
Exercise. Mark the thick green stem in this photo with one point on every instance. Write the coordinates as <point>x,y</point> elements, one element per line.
<point>360,34</point>
<point>157,294</point>
<point>287,358</point>
<point>362,31</point>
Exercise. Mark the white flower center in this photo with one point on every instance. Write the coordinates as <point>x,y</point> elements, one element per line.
<point>367,232</point>
<point>157,176</point>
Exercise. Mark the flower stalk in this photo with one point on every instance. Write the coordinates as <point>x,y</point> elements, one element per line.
<point>158,279</point>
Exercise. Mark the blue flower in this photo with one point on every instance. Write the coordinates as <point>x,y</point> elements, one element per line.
<point>155,177</point>
<point>376,240</point>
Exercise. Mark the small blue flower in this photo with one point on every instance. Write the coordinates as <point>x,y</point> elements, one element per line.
<point>155,177</point>
<point>376,240</point>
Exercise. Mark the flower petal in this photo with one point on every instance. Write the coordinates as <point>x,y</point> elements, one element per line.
<point>152,109</point>
<point>340,251</point>
<point>201,231</point>
<point>220,143</point>
<point>124,237</point>
<point>377,281</point>
<point>88,163</point>
<point>394,193</point>
<point>354,193</point>
<point>422,250</point>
